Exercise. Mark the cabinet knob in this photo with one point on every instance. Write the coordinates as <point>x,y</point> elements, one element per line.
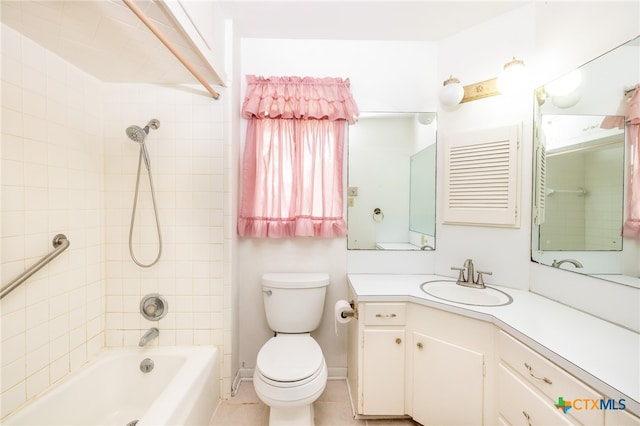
<point>420,345</point>
<point>398,340</point>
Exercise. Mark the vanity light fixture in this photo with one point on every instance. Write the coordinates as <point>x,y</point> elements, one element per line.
<point>512,79</point>
<point>564,85</point>
<point>452,93</point>
<point>565,91</point>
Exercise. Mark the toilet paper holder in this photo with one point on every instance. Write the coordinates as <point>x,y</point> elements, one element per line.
<point>353,314</point>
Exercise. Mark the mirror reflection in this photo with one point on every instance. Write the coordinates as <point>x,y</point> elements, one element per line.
<point>580,169</point>
<point>584,179</point>
<point>391,181</point>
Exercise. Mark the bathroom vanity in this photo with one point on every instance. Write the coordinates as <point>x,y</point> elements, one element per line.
<point>440,362</point>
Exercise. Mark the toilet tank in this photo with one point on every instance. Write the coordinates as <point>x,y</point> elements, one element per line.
<point>294,302</point>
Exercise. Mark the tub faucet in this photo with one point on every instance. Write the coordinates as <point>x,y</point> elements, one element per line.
<point>557,263</point>
<point>151,334</point>
<point>470,280</point>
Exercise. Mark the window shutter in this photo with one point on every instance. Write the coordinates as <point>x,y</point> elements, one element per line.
<point>481,177</point>
<point>540,176</point>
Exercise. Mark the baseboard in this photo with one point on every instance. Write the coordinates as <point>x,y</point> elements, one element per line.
<point>336,373</point>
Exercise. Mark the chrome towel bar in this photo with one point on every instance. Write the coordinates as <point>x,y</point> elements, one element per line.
<point>60,244</point>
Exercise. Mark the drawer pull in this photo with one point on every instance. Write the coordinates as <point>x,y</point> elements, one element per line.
<point>398,340</point>
<point>386,315</point>
<point>544,379</point>
<point>420,345</point>
<point>527,416</point>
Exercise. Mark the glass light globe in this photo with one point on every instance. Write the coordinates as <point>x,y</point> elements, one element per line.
<point>513,78</point>
<point>567,100</point>
<point>452,93</point>
<point>564,85</point>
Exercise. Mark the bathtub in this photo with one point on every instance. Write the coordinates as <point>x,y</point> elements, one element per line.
<point>182,389</point>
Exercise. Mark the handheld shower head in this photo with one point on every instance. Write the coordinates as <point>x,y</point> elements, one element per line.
<point>137,133</point>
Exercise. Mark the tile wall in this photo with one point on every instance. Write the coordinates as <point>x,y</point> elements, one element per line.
<point>52,182</point>
<point>67,166</point>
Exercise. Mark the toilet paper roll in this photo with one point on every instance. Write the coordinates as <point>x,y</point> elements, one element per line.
<point>341,307</point>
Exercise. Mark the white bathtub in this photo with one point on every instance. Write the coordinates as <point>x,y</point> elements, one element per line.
<point>182,389</point>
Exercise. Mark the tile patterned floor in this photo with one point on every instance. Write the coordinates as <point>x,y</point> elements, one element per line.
<point>331,409</point>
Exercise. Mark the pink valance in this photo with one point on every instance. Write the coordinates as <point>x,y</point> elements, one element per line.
<point>300,98</point>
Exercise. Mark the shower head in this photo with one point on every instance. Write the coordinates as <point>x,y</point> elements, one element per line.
<point>137,133</point>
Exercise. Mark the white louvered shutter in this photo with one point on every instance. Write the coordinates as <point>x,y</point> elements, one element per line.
<point>481,181</point>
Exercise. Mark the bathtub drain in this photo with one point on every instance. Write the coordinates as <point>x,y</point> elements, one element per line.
<point>146,365</point>
<point>132,423</point>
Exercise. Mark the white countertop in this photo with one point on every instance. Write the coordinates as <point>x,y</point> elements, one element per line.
<point>603,355</point>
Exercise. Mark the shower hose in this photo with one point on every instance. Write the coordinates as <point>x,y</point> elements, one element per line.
<point>133,216</point>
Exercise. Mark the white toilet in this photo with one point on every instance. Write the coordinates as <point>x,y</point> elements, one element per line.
<point>290,371</point>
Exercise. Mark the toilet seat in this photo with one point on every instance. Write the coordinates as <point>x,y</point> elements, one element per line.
<point>288,360</point>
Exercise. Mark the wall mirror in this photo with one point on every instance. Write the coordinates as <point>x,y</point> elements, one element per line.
<point>391,181</point>
<point>580,169</point>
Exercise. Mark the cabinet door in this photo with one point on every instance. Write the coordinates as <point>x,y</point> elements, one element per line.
<point>447,383</point>
<point>383,371</point>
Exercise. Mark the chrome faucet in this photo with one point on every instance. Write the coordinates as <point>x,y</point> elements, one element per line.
<point>469,280</point>
<point>557,263</point>
<point>151,334</point>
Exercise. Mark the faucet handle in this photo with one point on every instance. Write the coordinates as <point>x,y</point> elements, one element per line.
<point>460,275</point>
<point>480,280</point>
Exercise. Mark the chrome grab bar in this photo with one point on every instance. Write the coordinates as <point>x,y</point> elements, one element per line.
<point>60,243</point>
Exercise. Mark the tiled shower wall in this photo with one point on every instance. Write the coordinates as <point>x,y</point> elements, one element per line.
<point>187,167</point>
<point>52,182</point>
<point>67,166</point>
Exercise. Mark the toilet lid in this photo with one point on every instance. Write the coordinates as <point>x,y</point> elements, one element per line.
<point>289,357</point>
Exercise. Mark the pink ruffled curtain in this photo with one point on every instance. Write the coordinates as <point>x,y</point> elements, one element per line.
<point>631,227</point>
<point>299,97</point>
<point>292,166</point>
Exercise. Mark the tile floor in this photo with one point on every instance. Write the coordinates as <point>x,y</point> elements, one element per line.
<point>331,409</point>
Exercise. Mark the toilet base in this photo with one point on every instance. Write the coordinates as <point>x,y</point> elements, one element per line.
<point>292,416</point>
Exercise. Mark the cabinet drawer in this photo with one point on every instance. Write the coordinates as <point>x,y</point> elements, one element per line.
<point>550,379</point>
<point>620,418</point>
<point>519,404</point>
<point>384,314</point>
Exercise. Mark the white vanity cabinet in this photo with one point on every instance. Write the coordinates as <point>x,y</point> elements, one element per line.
<point>450,357</point>
<point>377,363</point>
<point>450,365</point>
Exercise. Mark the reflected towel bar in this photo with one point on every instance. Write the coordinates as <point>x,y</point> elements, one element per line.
<point>60,243</point>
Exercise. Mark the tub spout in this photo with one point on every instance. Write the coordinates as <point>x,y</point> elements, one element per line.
<point>151,334</point>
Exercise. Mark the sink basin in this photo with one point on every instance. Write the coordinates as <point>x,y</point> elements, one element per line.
<point>450,291</point>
